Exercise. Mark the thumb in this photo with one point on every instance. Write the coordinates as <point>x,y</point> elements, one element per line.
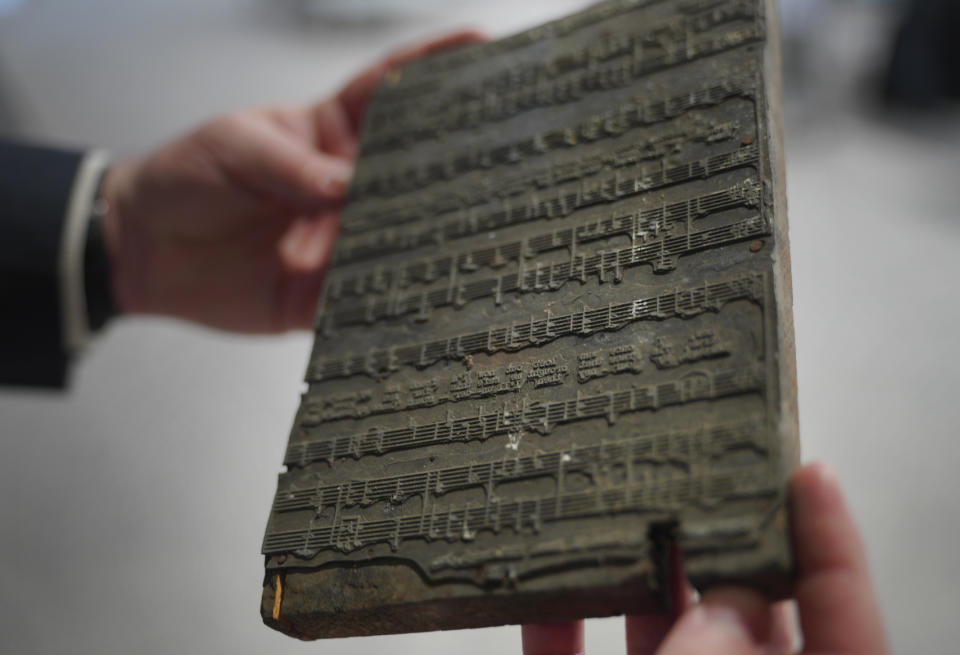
<point>257,155</point>
<point>306,178</point>
<point>726,622</point>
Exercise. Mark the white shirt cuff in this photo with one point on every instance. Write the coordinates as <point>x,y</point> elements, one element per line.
<point>75,326</point>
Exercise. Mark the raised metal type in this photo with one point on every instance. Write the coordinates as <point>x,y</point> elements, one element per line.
<point>556,337</point>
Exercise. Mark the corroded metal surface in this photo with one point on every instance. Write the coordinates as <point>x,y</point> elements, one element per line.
<point>555,338</point>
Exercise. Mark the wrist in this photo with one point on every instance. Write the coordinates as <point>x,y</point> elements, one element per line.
<point>97,264</point>
<point>114,201</point>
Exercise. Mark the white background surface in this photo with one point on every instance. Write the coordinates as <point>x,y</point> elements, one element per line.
<point>132,508</point>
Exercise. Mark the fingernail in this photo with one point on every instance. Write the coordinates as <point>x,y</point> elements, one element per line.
<point>336,178</point>
<point>726,620</point>
<point>826,473</point>
<point>814,485</point>
<point>740,613</point>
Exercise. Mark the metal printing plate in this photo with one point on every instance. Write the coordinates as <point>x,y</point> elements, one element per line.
<point>556,337</point>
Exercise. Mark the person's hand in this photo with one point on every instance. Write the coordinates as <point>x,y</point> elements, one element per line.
<point>837,607</point>
<point>233,224</point>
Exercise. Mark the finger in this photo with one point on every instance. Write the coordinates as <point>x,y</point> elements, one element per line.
<point>355,95</point>
<point>260,157</point>
<point>553,638</point>
<point>333,132</point>
<point>318,177</point>
<point>646,633</point>
<point>838,609</point>
<point>305,252</point>
<point>307,245</point>
<point>783,632</point>
<point>726,622</point>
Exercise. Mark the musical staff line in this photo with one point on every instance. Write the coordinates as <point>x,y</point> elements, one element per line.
<point>404,109</point>
<point>569,88</point>
<point>637,223</point>
<point>530,416</point>
<point>453,59</point>
<point>676,447</point>
<point>663,254</point>
<point>463,385</point>
<point>672,303</point>
<point>394,180</point>
<point>462,524</point>
<point>650,156</point>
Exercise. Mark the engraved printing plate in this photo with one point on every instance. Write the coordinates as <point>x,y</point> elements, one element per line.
<point>556,336</point>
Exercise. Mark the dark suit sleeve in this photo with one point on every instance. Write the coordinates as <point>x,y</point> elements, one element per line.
<point>35,187</point>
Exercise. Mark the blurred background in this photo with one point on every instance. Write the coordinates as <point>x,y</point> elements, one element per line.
<point>132,507</point>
